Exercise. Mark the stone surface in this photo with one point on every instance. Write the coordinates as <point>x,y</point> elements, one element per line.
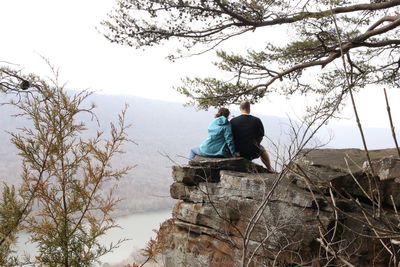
<point>197,247</point>
<point>325,165</point>
<point>234,164</point>
<point>193,175</point>
<point>385,168</point>
<point>343,160</point>
<point>180,191</point>
<point>227,209</point>
<point>345,170</point>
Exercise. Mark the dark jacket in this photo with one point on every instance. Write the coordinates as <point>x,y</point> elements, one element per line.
<point>248,132</point>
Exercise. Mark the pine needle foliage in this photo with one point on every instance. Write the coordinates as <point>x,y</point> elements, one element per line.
<point>11,208</point>
<point>301,54</point>
<point>64,173</point>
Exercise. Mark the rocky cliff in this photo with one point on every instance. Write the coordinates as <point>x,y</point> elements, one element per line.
<point>327,208</point>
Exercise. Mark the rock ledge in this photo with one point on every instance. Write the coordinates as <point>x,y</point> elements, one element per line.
<point>223,211</point>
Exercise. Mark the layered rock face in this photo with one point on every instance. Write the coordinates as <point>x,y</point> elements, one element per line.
<point>327,209</point>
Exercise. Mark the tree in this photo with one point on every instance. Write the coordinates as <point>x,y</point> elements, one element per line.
<point>11,209</point>
<point>322,33</point>
<point>61,202</point>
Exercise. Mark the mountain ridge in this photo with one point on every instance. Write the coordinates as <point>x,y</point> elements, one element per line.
<point>163,133</point>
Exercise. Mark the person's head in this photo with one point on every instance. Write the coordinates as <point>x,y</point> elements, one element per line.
<point>222,112</point>
<point>244,106</point>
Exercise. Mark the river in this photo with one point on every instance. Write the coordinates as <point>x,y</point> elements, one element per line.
<point>138,228</point>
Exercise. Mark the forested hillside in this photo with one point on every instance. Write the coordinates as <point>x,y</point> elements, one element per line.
<point>163,133</point>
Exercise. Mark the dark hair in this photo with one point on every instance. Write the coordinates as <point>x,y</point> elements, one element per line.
<point>222,112</point>
<point>244,105</point>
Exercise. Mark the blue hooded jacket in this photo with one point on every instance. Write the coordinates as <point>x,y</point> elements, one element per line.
<point>220,139</point>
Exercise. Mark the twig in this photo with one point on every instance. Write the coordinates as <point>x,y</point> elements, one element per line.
<point>332,252</point>
<point>391,122</point>
<point>350,87</point>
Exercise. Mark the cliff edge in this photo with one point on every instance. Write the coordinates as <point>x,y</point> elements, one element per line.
<point>330,207</point>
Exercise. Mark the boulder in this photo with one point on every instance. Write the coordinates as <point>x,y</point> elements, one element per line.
<point>386,168</point>
<point>203,169</point>
<point>234,164</point>
<point>346,172</point>
<point>342,160</point>
<point>230,207</point>
<point>190,175</point>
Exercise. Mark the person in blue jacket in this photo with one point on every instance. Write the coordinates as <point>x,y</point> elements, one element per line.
<point>219,142</point>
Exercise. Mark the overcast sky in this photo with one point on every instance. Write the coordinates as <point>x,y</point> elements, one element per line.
<point>65,33</point>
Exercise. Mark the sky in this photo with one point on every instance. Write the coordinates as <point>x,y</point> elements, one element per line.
<point>67,33</point>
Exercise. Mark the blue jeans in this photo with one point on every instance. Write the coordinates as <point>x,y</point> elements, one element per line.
<point>195,151</point>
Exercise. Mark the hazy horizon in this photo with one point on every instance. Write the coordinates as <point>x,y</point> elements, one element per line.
<point>86,59</point>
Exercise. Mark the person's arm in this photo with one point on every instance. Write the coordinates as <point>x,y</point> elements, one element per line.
<point>229,139</point>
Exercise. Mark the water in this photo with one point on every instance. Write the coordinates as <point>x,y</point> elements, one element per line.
<point>137,227</point>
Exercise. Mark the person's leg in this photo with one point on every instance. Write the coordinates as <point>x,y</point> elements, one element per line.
<point>265,159</point>
<point>195,151</point>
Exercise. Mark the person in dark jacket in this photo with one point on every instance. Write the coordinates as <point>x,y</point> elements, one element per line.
<point>219,142</point>
<point>248,132</point>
